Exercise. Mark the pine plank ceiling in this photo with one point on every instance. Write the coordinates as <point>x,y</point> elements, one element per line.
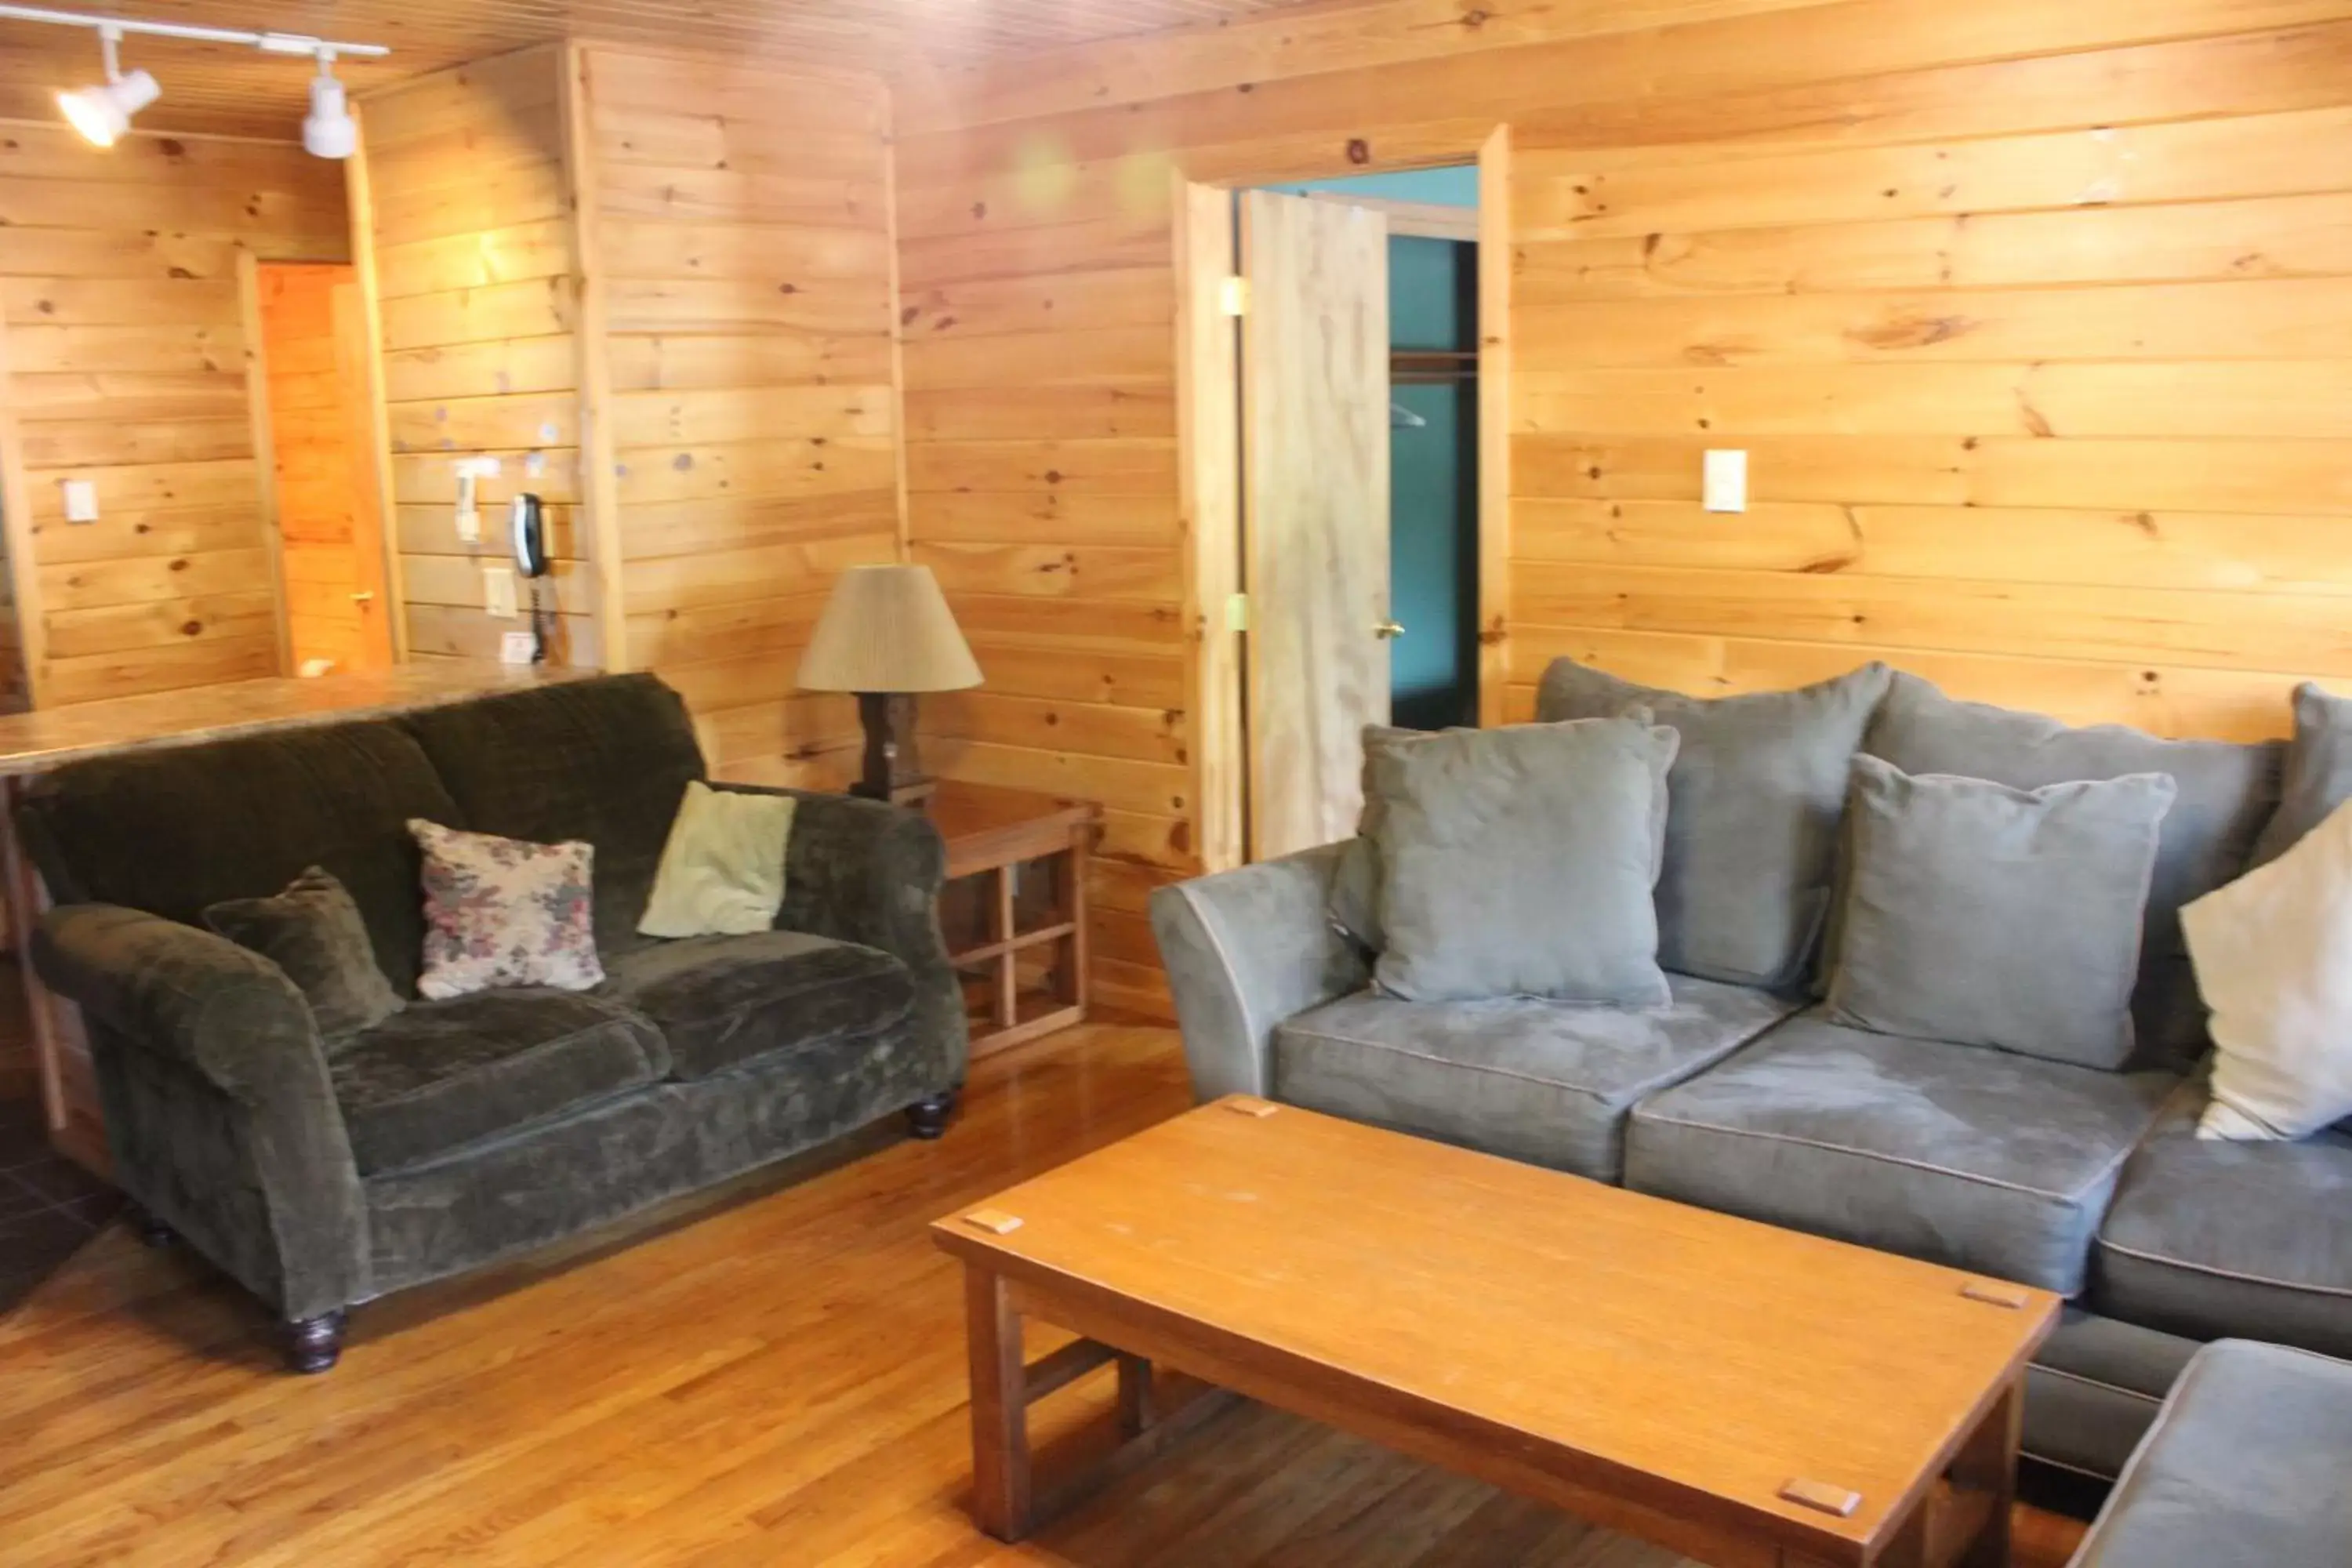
<point>209,88</point>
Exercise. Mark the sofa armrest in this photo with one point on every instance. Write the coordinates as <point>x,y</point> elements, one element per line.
<point>1247,950</point>
<point>869,872</point>
<point>221,1116</point>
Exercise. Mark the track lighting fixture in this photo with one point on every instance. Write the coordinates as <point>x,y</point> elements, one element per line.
<point>327,131</point>
<point>102,113</point>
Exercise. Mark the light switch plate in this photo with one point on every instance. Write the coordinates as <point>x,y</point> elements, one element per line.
<point>469,526</point>
<point>81,500</point>
<point>498,592</point>
<point>515,648</point>
<point>1724,480</point>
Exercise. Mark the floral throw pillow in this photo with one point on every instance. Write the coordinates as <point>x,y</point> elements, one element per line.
<point>505,911</point>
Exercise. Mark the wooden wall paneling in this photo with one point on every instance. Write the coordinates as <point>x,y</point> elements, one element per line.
<point>22,646</point>
<point>476,281</point>
<point>735,219</point>
<point>1208,388</point>
<point>599,457</point>
<point>129,366</point>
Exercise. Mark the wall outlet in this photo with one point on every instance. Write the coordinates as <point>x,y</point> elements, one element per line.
<point>469,523</point>
<point>81,500</point>
<point>1723,481</point>
<point>498,592</point>
<point>517,647</point>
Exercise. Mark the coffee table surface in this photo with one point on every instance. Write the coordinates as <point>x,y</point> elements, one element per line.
<point>1693,1362</point>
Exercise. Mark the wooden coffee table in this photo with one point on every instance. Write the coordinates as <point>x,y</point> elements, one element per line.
<point>1747,1395</point>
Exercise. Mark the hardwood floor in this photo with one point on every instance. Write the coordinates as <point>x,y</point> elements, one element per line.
<point>775,1376</point>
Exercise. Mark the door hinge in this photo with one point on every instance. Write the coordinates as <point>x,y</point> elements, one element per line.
<point>1233,296</point>
<point>1237,613</point>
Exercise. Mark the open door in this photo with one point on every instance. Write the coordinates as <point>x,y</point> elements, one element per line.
<point>1315,487</point>
<point>321,448</point>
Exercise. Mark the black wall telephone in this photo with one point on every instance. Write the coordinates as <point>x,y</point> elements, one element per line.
<point>527,519</point>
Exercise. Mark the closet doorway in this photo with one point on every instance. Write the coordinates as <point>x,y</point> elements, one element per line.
<point>1360,501</point>
<point>314,431</point>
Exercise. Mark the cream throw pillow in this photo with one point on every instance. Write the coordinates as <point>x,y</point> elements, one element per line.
<point>722,870</point>
<point>2274,957</point>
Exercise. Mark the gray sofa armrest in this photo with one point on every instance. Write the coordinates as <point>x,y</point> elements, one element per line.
<point>869,872</point>
<point>1247,950</point>
<point>221,1118</point>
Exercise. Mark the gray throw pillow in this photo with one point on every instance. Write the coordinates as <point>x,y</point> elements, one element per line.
<point>2228,792</point>
<point>1519,862</point>
<point>314,931</point>
<point>1986,915</point>
<point>1353,907</point>
<point>1751,837</point>
<point>2318,772</point>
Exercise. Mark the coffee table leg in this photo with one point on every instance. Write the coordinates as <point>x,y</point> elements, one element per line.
<point>1135,1413</point>
<point>1988,1463</point>
<point>999,1407</point>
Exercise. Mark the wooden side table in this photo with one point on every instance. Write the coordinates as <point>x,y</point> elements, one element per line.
<point>1022,958</point>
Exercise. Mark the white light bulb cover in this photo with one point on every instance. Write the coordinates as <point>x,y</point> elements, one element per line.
<point>328,131</point>
<point>102,113</point>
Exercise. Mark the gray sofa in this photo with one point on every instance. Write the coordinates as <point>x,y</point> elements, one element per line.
<point>2085,1180</point>
<point>321,1171</point>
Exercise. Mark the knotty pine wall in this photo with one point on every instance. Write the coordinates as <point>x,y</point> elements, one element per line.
<point>468,200</point>
<point>2034,320</point>
<point>737,224</point>
<point>126,363</point>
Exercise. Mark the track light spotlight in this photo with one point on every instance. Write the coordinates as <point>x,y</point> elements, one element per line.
<point>327,131</point>
<point>102,113</point>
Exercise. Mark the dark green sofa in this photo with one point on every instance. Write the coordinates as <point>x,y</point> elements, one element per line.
<point>324,1171</point>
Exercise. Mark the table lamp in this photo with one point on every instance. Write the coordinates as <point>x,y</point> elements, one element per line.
<point>886,634</point>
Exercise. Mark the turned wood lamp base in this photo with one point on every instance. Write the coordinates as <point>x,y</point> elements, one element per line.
<point>893,768</point>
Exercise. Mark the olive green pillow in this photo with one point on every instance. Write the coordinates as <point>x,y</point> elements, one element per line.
<point>314,931</point>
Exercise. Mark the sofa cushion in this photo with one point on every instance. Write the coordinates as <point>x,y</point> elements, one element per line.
<point>1990,916</point>
<point>1548,1082</point>
<point>1757,793</point>
<point>2227,794</point>
<point>2094,1386</point>
<point>2212,1239</point>
<point>1519,861</point>
<point>174,830</point>
<point>604,759</point>
<point>2318,772</point>
<point>722,1001</point>
<point>312,930</point>
<point>439,1076</point>
<point>2245,1464</point>
<point>1980,1159</point>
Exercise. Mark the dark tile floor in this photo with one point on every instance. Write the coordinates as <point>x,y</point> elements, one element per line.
<point>48,1206</point>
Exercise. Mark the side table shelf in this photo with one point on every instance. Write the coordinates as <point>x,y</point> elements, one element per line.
<point>1014,909</point>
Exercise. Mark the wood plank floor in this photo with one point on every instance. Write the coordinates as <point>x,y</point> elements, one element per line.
<point>774,1377</point>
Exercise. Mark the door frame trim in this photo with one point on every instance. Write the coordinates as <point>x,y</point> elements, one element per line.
<point>1208,476</point>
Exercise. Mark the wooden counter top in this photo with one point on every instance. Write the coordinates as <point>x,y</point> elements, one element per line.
<point>37,741</point>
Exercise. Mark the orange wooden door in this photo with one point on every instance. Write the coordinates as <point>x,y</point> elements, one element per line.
<point>330,526</point>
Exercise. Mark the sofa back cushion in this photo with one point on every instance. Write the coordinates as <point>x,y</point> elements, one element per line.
<point>2226,793</point>
<point>1758,791</point>
<point>174,830</point>
<point>606,760</point>
<point>2318,775</point>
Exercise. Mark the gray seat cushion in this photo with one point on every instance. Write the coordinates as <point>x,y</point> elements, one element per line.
<point>439,1076</point>
<point>2245,1465</point>
<point>2226,793</point>
<point>605,761</point>
<point>722,1001</point>
<point>1980,1159</point>
<point>2095,1387</point>
<point>1548,1082</point>
<point>1751,839</point>
<point>2213,1239</point>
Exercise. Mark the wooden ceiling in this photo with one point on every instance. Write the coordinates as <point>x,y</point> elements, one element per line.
<point>209,88</point>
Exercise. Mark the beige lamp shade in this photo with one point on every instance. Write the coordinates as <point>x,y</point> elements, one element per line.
<point>887,628</point>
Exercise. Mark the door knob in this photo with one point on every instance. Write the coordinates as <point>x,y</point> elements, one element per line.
<point>1387,629</point>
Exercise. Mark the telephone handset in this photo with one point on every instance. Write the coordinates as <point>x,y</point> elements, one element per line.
<point>528,524</point>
